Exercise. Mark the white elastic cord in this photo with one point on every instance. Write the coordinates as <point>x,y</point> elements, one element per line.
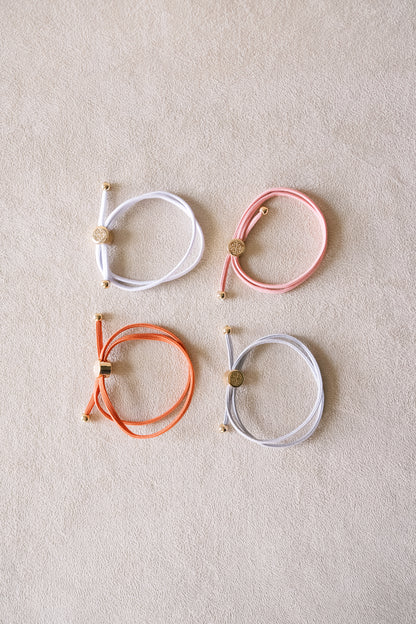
<point>308,426</point>
<point>183,266</point>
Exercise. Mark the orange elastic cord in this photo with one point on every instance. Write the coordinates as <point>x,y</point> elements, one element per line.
<point>104,366</point>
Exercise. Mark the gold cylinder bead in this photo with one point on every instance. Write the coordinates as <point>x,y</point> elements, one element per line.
<point>102,369</point>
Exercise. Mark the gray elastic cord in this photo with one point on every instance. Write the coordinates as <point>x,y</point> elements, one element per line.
<point>308,426</point>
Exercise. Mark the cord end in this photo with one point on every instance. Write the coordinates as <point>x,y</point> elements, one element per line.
<point>105,283</point>
<point>226,329</point>
<point>221,294</point>
<point>264,210</point>
<point>98,317</point>
<point>222,428</point>
<point>106,186</point>
<point>85,417</point>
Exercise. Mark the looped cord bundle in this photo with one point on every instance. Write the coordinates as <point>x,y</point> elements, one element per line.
<point>251,216</point>
<point>235,377</point>
<point>102,236</point>
<point>103,370</point>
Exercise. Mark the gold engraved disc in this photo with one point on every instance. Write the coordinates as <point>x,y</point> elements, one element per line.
<point>101,235</point>
<point>236,247</point>
<point>235,378</point>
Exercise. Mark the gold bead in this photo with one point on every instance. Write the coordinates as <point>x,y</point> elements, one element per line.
<point>101,235</point>
<point>226,330</point>
<point>106,186</point>
<point>98,317</point>
<point>264,210</point>
<point>85,417</point>
<point>102,369</point>
<point>235,378</point>
<point>221,294</point>
<point>236,247</point>
<point>105,284</point>
<point>222,428</point>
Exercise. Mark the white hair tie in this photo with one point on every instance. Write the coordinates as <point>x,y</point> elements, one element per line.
<point>102,237</point>
<point>236,378</point>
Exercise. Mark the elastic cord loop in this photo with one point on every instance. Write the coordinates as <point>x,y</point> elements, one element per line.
<point>249,219</point>
<point>308,426</point>
<point>182,267</point>
<point>100,395</point>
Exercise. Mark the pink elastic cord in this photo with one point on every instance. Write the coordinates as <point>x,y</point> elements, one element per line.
<point>249,220</point>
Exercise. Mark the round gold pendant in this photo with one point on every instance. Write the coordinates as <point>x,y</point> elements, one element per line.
<point>235,378</point>
<point>236,247</point>
<point>101,235</point>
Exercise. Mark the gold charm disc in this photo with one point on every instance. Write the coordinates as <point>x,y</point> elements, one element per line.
<point>236,247</point>
<point>235,378</point>
<point>101,235</point>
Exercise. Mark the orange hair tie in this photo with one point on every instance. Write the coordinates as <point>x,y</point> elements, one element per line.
<point>103,370</point>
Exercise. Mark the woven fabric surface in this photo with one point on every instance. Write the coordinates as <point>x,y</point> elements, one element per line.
<point>215,102</point>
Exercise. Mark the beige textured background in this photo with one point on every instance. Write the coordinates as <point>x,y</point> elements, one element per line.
<point>215,101</point>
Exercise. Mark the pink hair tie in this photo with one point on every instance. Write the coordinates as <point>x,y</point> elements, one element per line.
<point>236,247</point>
